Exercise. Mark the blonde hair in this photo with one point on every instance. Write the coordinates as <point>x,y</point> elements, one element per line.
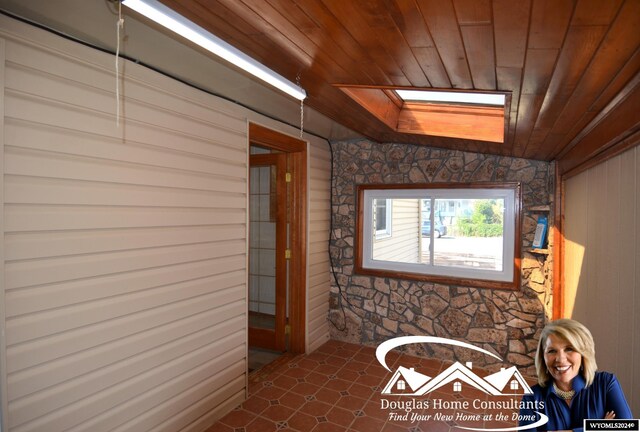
<point>579,337</point>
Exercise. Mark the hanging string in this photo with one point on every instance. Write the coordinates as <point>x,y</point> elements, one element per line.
<point>119,25</point>
<point>301,108</point>
<point>301,117</point>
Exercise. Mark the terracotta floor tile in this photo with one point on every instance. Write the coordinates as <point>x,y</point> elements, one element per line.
<point>377,371</point>
<point>347,374</point>
<point>356,366</point>
<point>340,416</point>
<point>434,426</point>
<point>302,422</point>
<point>220,427</point>
<point>292,400</point>
<point>330,346</point>
<point>370,380</point>
<point>364,357</point>
<point>254,387</point>
<point>317,356</point>
<point>372,409</point>
<point>368,349</point>
<point>261,425</point>
<point>498,424</point>
<point>277,412</point>
<point>345,353</point>
<point>335,361</point>
<point>238,418</point>
<point>336,389</point>
<point>305,389</point>
<point>327,369</point>
<point>316,378</point>
<point>360,391</point>
<point>271,392</point>
<point>305,363</point>
<point>285,382</point>
<point>296,372</point>
<point>327,395</point>
<point>390,427</point>
<point>329,427</point>
<point>367,424</point>
<point>351,402</point>
<point>255,404</point>
<point>337,384</point>
<point>315,408</point>
<point>392,357</point>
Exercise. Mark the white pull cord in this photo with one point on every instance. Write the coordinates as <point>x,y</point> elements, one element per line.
<point>301,117</point>
<point>119,25</point>
<point>301,108</point>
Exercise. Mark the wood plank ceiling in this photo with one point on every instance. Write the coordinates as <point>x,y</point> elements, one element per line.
<point>572,67</point>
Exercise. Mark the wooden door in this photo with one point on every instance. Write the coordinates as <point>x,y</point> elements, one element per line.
<point>267,253</point>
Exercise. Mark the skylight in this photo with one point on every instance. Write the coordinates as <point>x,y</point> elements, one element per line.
<point>477,116</point>
<point>452,97</point>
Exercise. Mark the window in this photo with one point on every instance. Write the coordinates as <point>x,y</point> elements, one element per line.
<point>382,212</point>
<point>401,385</point>
<point>455,233</point>
<point>457,386</point>
<point>477,98</point>
<point>514,385</point>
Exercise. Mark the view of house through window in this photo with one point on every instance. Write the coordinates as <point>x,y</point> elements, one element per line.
<point>455,232</point>
<point>466,232</point>
<point>383,215</point>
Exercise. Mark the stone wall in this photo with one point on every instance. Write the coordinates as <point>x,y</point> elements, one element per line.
<point>369,310</point>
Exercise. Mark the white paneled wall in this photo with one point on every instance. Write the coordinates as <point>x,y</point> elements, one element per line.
<point>318,267</point>
<point>602,264</point>
<point>124,247</point>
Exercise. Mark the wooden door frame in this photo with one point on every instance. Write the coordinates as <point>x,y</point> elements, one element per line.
<point>297,153</point>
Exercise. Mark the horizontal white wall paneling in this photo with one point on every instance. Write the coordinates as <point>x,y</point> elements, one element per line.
<point>125,246</point>
<point>318,272</point>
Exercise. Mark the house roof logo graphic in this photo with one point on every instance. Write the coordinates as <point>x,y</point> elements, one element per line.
<point>506,382</point>
<point>497,384</point>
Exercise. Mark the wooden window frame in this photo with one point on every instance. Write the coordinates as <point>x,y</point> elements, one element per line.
<point>512,284</point>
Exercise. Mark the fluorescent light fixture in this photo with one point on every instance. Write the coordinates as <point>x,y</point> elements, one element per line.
<point>168,18</point>
<point>454,97</point>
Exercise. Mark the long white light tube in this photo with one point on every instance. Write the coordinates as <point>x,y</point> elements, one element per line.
<point>168,18</point>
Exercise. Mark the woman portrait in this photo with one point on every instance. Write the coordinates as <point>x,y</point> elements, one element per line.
<point>570,387</point>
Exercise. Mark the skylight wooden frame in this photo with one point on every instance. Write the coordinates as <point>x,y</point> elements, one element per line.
<point>488,123</point>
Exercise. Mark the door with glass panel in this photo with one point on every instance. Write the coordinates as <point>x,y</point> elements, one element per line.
<point>267,250</point>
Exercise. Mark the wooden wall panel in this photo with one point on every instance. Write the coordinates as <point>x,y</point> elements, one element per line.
<point>562,61</point>
<point>601,277</point>
<point>478,41</point>
<point>440,16</point>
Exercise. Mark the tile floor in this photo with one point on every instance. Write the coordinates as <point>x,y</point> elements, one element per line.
<point>259,358</point>
<point>337,388</point>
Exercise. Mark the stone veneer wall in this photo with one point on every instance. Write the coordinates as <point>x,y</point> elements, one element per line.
<point>376,309</point>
